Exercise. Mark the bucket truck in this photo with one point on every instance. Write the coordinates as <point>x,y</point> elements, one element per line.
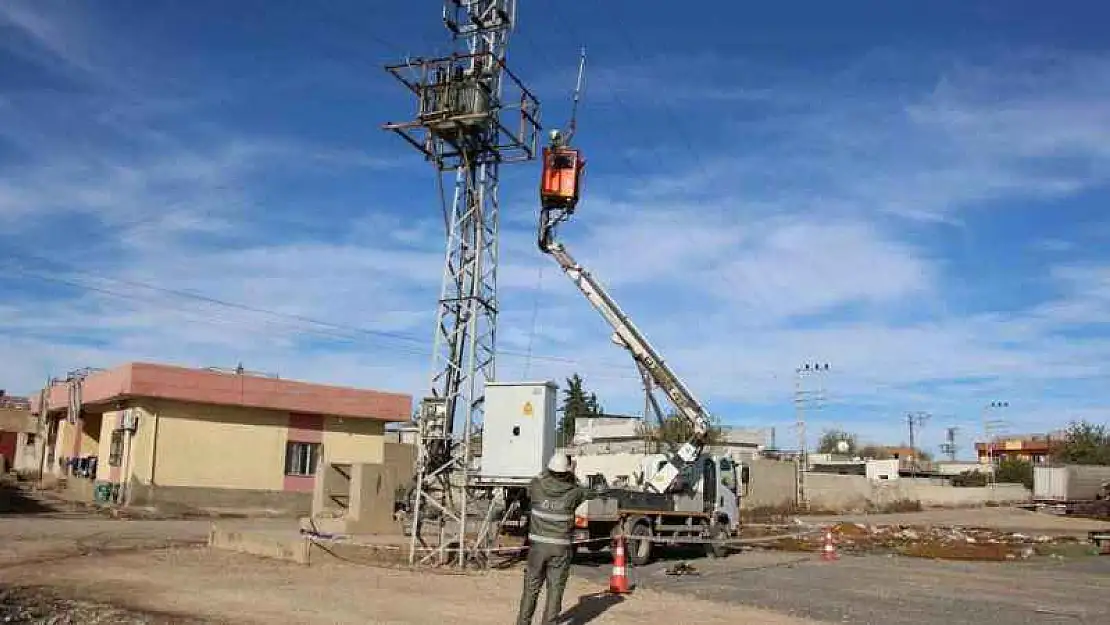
<point>686,496</point>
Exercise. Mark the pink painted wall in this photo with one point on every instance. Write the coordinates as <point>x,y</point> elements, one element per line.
<point>303,428</point>
<point>226,389</point>
<point>306,428</point>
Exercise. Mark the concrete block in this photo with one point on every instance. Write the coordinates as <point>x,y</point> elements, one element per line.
<point>325,525</point>
<point>267,544</point>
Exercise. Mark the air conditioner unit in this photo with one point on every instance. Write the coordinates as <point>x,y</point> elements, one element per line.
<point>129,420</point>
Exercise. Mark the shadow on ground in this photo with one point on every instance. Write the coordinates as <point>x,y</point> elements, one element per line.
<point>14,500</point>
<point>669,554</point>
<point>589,607</point>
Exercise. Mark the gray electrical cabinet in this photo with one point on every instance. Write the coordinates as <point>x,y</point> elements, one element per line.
<point>518,432</point>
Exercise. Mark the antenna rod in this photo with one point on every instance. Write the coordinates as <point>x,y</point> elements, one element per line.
<point>573,126</point>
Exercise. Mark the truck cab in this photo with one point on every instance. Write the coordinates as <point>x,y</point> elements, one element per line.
<point>704,506</point>
<point>712,485</point>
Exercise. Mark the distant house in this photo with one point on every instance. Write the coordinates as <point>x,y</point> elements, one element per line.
<point>1034,448</point>
<point>18,428</point>
<point>742,443</point>
<point>150,433</point>
<point>610,434</point>
<point>614,434</point>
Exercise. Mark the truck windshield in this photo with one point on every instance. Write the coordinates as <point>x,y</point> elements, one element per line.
<point>728,474</point>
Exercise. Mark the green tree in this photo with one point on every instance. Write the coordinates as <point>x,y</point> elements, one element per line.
<point>1083,443</point>
<point>576,404</point>
<point>676,430</point>
<point>875,452</point>
<point>830,441</point>
<point>1015,471</point>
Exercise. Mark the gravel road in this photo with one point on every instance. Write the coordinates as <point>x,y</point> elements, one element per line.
<point>893,590</point>
<point>93,571</point>
<point>33,605</point>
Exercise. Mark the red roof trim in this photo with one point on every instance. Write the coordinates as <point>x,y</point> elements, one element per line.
<point>156,381</point>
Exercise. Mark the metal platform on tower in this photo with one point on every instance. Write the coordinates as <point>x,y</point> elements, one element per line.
<point>472,115</point>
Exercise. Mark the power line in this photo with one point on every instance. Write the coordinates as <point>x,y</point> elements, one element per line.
<point>913,419</point>
<point>321,327</point>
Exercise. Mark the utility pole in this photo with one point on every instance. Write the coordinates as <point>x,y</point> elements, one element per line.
<point>948,447</point>
<point>42,428</point>
<point>802,398</point>
<point>472,116</point>
<point>913,419</point>
<point>990,427</point>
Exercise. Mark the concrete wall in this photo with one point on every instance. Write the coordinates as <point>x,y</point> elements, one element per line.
<point>351,441</point>
<point>770,484</point>
<point>89,434</point>
<point>856,493</point>
<point>402,456</point>
<point>28,452</point>
<point>245,501</point>
<point>63,444</point>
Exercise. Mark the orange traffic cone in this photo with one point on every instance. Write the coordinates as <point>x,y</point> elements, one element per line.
<point>828,551</point>
<point>618,579</point>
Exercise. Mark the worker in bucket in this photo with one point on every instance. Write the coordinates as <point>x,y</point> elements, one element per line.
<point>554,495</point>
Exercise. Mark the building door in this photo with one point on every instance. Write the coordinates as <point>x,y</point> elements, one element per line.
<point>7,449</point>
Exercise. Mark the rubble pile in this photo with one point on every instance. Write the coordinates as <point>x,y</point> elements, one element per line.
<point>947,543</point>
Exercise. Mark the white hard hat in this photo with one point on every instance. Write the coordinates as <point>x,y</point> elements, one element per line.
<point>559,463</point>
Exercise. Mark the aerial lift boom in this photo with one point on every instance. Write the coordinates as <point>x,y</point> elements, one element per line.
<point>560,187</point>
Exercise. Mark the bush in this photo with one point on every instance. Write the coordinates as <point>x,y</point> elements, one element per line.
<point>1015,471</point>
<point>970,479</point>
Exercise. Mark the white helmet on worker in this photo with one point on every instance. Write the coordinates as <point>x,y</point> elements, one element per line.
<point>560,462</point>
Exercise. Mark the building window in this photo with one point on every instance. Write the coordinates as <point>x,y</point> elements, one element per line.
<point>301,458</point>
<point>115,451</point>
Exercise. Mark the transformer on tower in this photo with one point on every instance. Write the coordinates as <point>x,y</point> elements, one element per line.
<point>472,115</point>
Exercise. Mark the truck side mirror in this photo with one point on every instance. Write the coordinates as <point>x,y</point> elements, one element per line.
<point>744,475</point>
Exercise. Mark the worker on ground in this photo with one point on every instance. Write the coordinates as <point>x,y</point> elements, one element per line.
<point>554,495</point>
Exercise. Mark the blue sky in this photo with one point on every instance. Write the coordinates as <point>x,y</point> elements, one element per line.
<point>914,194</point>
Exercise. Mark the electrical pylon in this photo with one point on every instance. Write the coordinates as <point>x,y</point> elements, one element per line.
<point>473,114</point>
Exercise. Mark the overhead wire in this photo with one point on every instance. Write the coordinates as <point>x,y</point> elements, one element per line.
<point>191,316</point>
<point>312,326</point>
<point>675,120</point>
<point>535,316</point>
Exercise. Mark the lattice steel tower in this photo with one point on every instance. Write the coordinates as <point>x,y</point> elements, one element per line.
<point>473,115</point>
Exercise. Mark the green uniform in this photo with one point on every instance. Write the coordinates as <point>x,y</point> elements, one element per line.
<point>554,497</point>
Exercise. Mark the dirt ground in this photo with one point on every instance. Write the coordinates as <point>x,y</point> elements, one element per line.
<point>1002,519</point>
<point>893,590</point>
<point>81,567</point>
<point>107,571</point>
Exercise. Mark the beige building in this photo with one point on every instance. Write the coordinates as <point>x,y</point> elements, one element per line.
<point>154,434</point>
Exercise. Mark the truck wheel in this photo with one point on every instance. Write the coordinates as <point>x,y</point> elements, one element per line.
<point>717,546</point>
<point>639,544</point>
